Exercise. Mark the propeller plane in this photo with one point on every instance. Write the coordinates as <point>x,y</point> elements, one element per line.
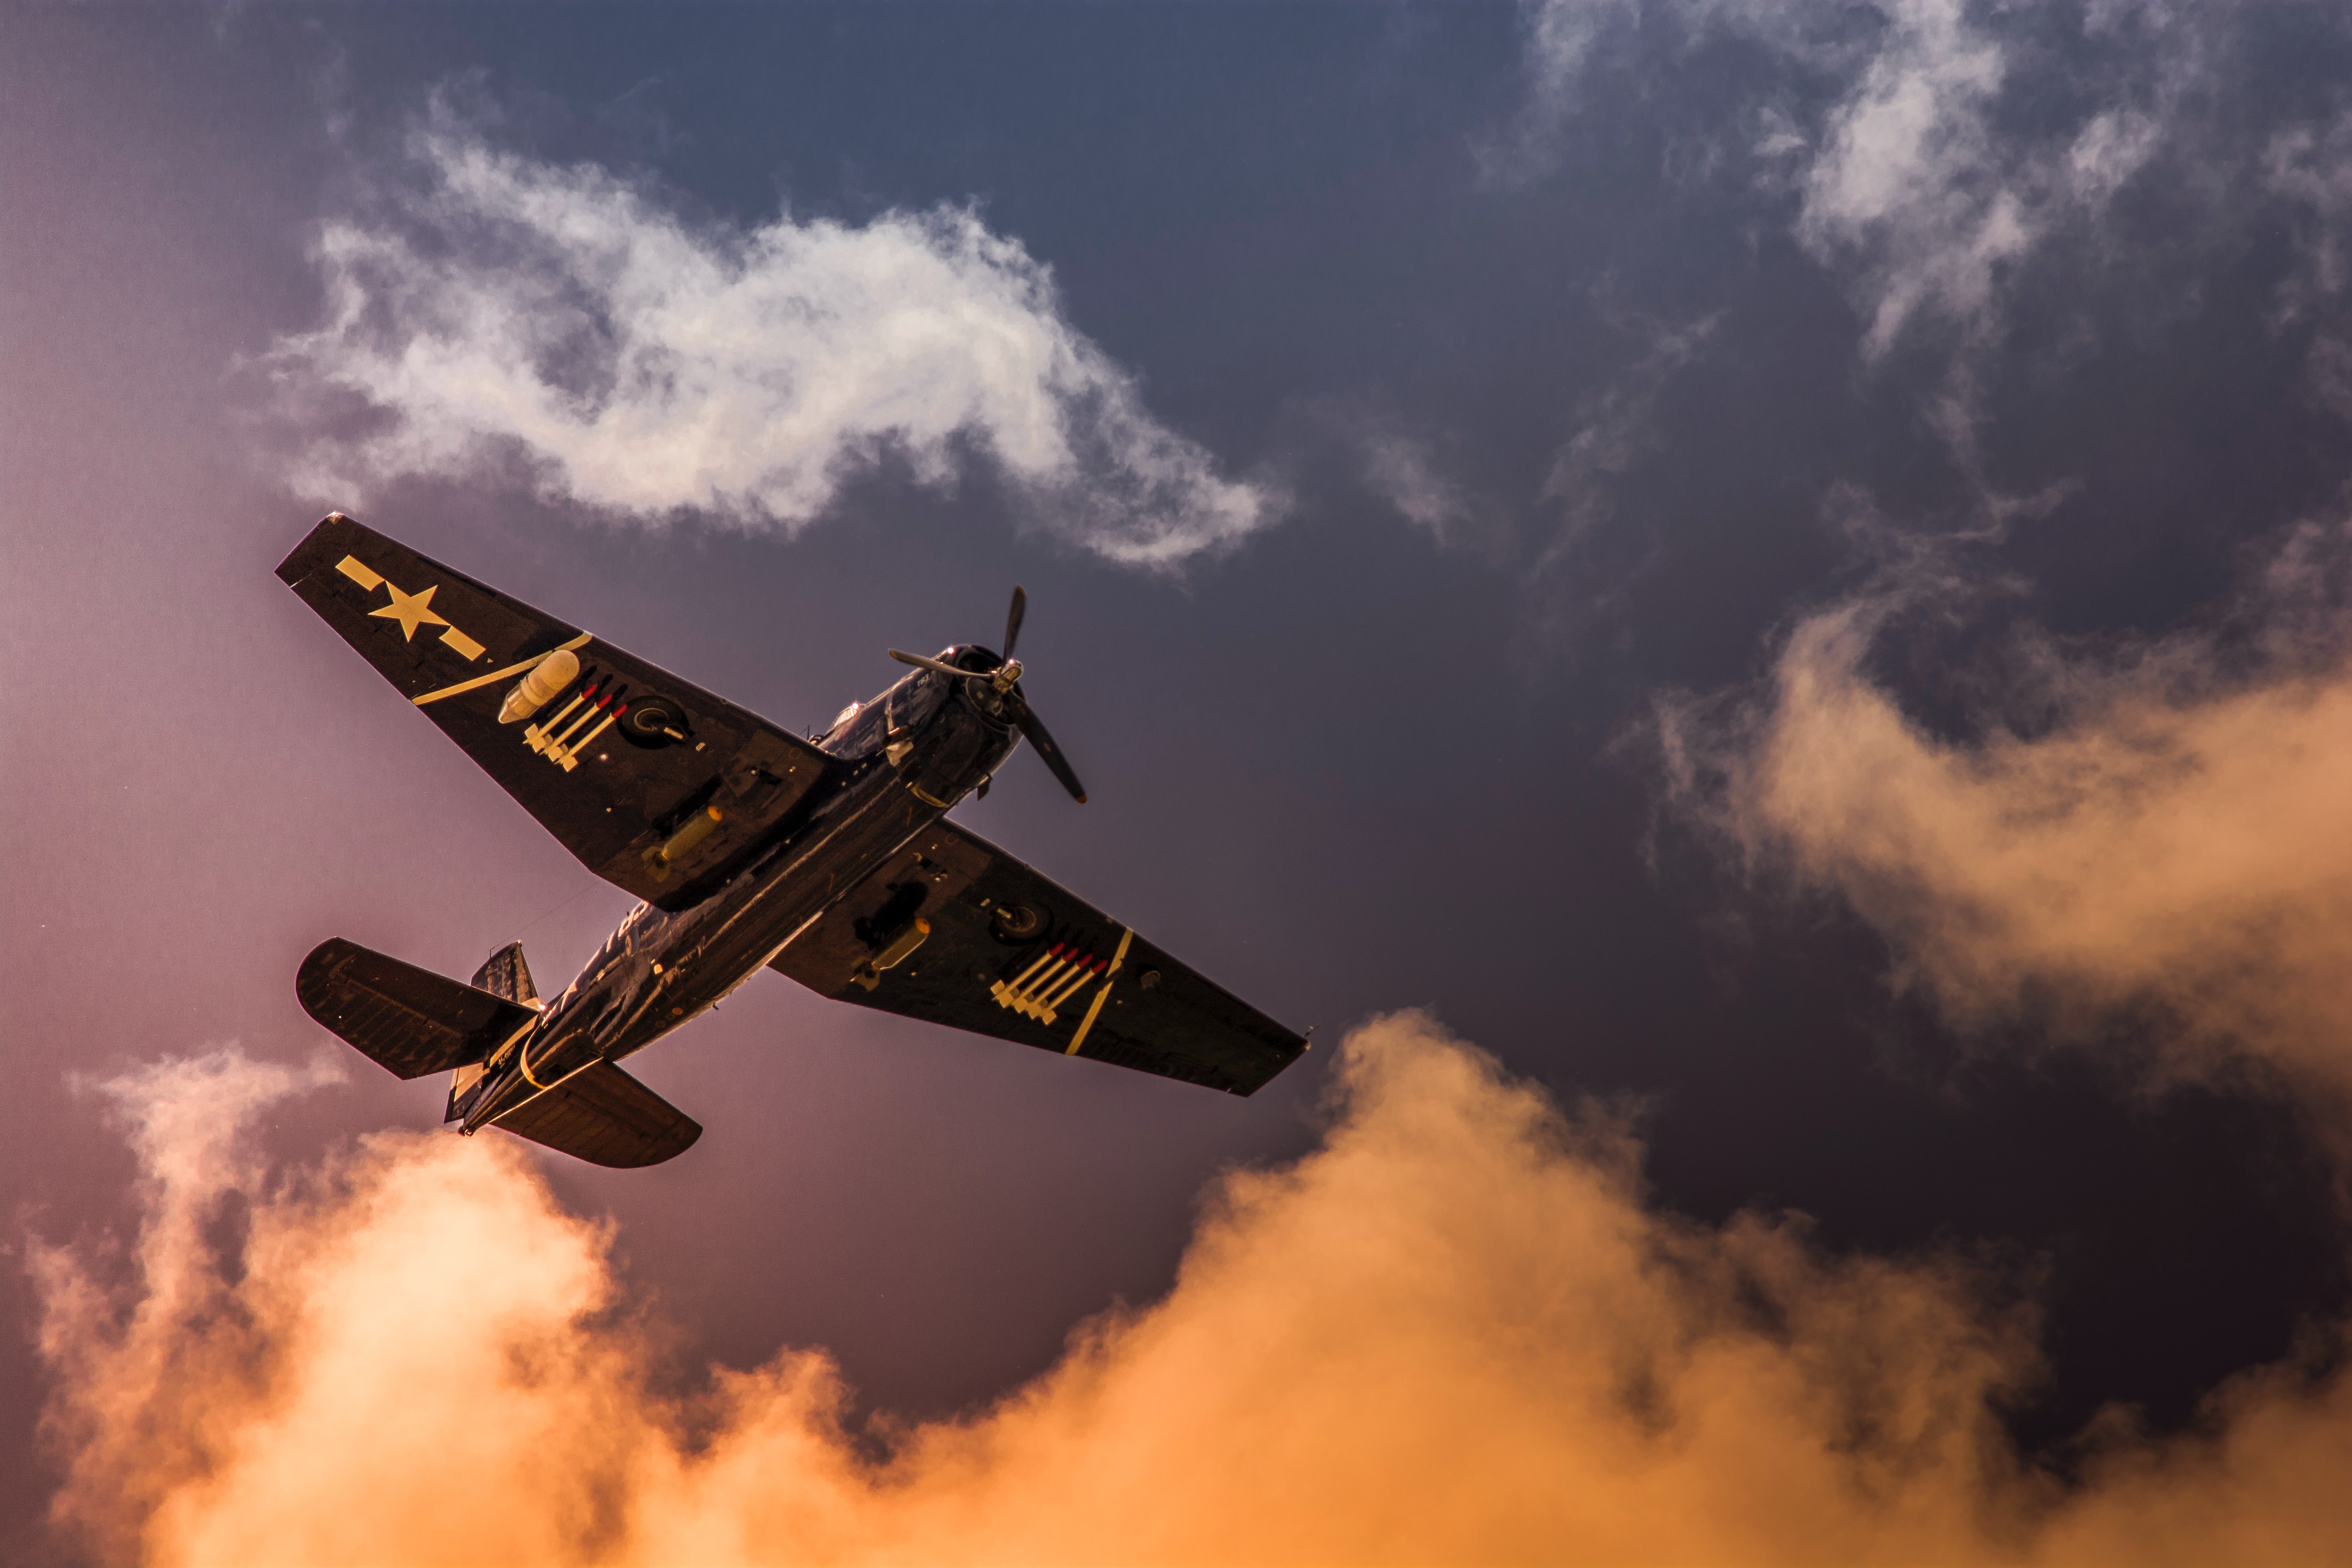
<point>830,860</point>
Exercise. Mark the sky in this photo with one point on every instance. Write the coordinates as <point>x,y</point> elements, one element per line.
<point>1744,605</point>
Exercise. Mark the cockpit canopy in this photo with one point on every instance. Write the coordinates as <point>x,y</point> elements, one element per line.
<point>862,729</point>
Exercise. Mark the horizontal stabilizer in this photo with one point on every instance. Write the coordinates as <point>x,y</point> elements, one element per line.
<point>410,1020</point>
<point>605,1117</point>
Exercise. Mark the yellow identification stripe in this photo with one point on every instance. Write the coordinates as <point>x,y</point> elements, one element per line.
<point>491,1060</point>
<point>582,640</point>
<point>359,572</point>
<point>1094,1008</point>
<point>463,644</point>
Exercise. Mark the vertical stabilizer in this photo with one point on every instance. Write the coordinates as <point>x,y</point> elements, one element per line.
<point>504,973</point>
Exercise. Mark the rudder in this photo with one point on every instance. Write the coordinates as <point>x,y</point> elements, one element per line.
<point>504,973</point>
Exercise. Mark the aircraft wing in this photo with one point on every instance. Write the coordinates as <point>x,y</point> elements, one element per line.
<point>618,759</point>
<point>1005,952</point>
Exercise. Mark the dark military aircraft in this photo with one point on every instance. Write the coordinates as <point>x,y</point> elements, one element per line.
<point>830,858</point>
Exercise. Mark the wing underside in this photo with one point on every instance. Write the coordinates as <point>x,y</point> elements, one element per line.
<point>618,756</point>
<point>992,947</point>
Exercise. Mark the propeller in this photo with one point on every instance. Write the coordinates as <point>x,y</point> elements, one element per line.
<point>1003,678</point>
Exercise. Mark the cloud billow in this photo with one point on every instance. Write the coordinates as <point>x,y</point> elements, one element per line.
<point>1457,1330</point>
<point>2154,831</point>
<point>644,366</point>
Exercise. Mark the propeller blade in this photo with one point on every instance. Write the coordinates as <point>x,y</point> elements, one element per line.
<point>919,662</point>
<point>1044,743</point>
<point>1013,618</point>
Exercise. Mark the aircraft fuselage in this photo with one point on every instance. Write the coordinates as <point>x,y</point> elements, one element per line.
<point>898,763</point>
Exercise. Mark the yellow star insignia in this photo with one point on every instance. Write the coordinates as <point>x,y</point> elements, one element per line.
<point>411,610</point>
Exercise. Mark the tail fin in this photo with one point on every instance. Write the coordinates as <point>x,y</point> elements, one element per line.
<point>410,1020</point>
<point>504,973</point>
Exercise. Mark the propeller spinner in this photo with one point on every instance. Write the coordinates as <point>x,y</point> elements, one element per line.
<point>1004,677</point>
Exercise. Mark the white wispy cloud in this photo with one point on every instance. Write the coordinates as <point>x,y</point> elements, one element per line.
<point>1562,36</point>
<point>1403,471</point>
<point>1614,427</point>
<point>644,364</point>
<point>1914,190</point>
<point>2309,168</point>
<point>1910,184</point>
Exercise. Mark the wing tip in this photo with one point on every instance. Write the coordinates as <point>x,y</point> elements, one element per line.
<point>298,564</point>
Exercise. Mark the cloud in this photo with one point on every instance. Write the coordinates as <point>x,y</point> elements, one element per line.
<point>2164,840</point>
<point>2311,167</point>
<point>1899,127</point>
<point>1614,427</point>
<point>139,1360</point>
<point>1561,39</point>
<point>1957,170</point>
<point>640,364</point>
<point>1403,471</point>
<point>1454,1331</point>
<point>1908,188</point>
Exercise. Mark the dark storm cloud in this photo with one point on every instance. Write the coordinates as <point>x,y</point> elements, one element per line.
<point>637,363</point>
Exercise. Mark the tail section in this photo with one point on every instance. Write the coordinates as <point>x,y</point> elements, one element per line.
<point>415,1023</point>
<point>504,973</point>
<point>409,1020</point>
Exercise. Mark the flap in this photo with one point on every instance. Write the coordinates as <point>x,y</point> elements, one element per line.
<point>614,759</point>
<point>604,1116</point>
<point>1011,954</point>
<point>412,1020</point>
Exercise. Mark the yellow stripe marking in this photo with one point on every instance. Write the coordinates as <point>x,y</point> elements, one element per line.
<point>582,640</point>
<point>464,645</point>
<point>351,566</point>
<point>1093,1009</point>
<point>525,1064</point>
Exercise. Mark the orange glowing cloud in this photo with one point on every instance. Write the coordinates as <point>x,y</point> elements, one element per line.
<point>1455,1331</point>
<point>2177,840</point>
